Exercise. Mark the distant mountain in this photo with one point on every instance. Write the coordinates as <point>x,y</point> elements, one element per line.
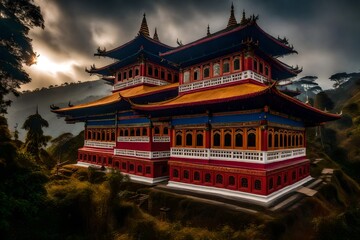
<point>26,103</point>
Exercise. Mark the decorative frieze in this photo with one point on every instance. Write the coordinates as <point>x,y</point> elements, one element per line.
<point>98,144</point>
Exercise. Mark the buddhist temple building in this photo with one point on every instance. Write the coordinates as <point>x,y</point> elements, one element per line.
<point>205,116</point>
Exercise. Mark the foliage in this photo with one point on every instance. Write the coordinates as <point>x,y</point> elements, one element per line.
<point>16,19</point>
<point>322,101</point>
<point>35,138</point>
<point>65,147</point>
<point>339,78</point>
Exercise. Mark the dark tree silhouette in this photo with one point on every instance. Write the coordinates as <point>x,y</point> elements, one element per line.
<point>322,101</point>
<point>35,138</point>
<point>16,19</point>
<point>339,79</point>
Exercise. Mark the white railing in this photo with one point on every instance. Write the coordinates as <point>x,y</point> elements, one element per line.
<point>237,155</point>
<point>142,154</point>
<point>133,139</point>
<point>223,80</point>
<point>161,138</point>
<point>89,143</point>
<point>138,80</point>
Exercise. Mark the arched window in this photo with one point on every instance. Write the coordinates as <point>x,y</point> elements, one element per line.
<point>150,70</point>
<point>199,139</point>
<point>257,185</point>
<point>236,64</point>
<point>281,139</point>
<point>251,138</point>
<point>207,177</point>
<point>162,74</point>
<point>261,67</point>
<point>186,174</point>
<point>169,77</point>
<point>144,131</point>
<point>216,69</point>
<point>294,141</point>
<point>130,73</point>
<point>131,167</point>
<point>206,72</point>
<point>110,161</point>
<point>156,130</point>
<point>139,169</point>
<point>285,139</point>
<point>276,140</point>
<point>94,158</point>
<point>113,135</point>
<point>231,180</point>
<point>138,132</point>
<point>297,141</point>
<point>300,141</point>
<point>255,64</point>
<point>137,72</point>
<point>124,75</point>
<point>175,173</point>
<point>226,66</point>
<point>219,179</point>
<point>117,164</point>
<point>293,175</point>
<point>156,72</point>
<point>216,138</point>
<point>103,135</point>
<point>94,135</point>
<point>239,138</point>
<point>278,182</point>
<point>166,131</point>
<point>228,138</point>
<point>196,74</point>
<point>188,138</point>
<point>196,176</point>
<point>89,135</point>
<point>126,132</point>
<point>98,136</point>
<point>119,76</point>
<point>178,141</point>
<point>289,140</point>
<point>266,71</point>
<point>270,140</point>
<point>244,182</point>
<point>186,77</point>
<point>132,132</point>
<point>271,183</point>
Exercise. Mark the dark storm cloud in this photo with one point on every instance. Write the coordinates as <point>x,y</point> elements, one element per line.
<point>325,33</point>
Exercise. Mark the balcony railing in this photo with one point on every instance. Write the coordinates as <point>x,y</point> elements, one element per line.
<point>142,154</point>
<point>134,139</point>
<point>236,77</point>
<point>138,80</point>
<point>89,143</point>
<point>161,138</point>
<point>238,155</point>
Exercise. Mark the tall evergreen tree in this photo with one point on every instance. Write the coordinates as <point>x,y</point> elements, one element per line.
<point>17,17</point>
<point>35,138</point>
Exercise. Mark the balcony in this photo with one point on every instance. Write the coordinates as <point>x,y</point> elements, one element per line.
<point>142,154</point>
<point>134,139</point>
<point>236,77</point>
<point>238,155</point>
<point>97,144</point>
<point>161,138</point>
<point>138,80</point>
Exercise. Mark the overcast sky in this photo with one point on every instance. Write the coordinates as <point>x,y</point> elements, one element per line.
<point>326,33</point>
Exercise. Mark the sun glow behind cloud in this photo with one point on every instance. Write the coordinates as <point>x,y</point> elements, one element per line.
<point>47,65</point>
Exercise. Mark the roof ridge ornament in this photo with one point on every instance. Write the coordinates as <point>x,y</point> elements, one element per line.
<point>156,37</point>
<point>232,20</point>
<point>144,29</point>
<point>208,30</point>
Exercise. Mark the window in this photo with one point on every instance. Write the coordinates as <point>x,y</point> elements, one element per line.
<point>196,74</point>
<point>169,76</point>
<point>186,174</point>
<point>207,177</point>
<point>162,74</point>
<point>175,173</point>
<point>285,140</point>
<point>276,140</point>
<point>236,64</point>
<point>144,131</point>
<point>300,172</point>
<point>124,75</point>
<point>136,72</point>
<point>219,179</point>
<point>226,66</point>
<point>196,176</point>
<point>178,141</point>
<point>231,180</point>
<point>89,135</point>
<point>278,182</point>
<point>110,161</point>
<point>199,139</point>
<point>281,140</point>
<point>206,72</point>
<point>94,158</point>
<point>80,157</point>
<point>261,66</point>
<point>131,167</point>
<point>150,70</point>
<point>227,138</point>
<point>285,178</point>
<point>126,132</point>
<point>271,183</point>
<point>270,136</point>
<point>216,69</point>
<point>166,131</point>
<point>139,169</point>
<point>216,138</point>
<point>293,175</point>
<point>123,165</point>
<point>156,130</point>
<point>117,164</point>
<point>297,141</point>
<point>188,138</point>
<point>255,65</point>
<point>119,76</point>
<point>164,169</point>
<point>244,182</point>
<point>85,157</point>
<point>113,135</point>
<point>148,170</point>
<point>239,138</point>
<point>289,140</point>
<point>132,132</point>
<point>130,73</point>
<point>156,72</point>
<point>176,77</point>
<point>186,77</point>
<point>300,140</point>
<point>251,138</point>
<point>266,71</point>
<point>257,185</point>
<point>138,132</point>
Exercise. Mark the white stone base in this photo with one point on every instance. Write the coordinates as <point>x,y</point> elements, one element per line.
<point>250,197</point>
<point>146,179</point>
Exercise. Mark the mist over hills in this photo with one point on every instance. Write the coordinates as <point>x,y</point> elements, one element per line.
<point>76,93</point>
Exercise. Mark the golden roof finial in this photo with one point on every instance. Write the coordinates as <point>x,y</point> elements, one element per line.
<point>144,30</point>
<point>156,37</point>
<point>243,19</point>
<point>232,20</point>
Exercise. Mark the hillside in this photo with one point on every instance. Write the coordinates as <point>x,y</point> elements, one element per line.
<point>26,103</point>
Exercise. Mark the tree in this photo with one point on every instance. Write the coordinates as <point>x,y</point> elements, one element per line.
<point>339,79</point>
<point>322,101</point>
<point>16,19</point>
<point>35,138</point>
